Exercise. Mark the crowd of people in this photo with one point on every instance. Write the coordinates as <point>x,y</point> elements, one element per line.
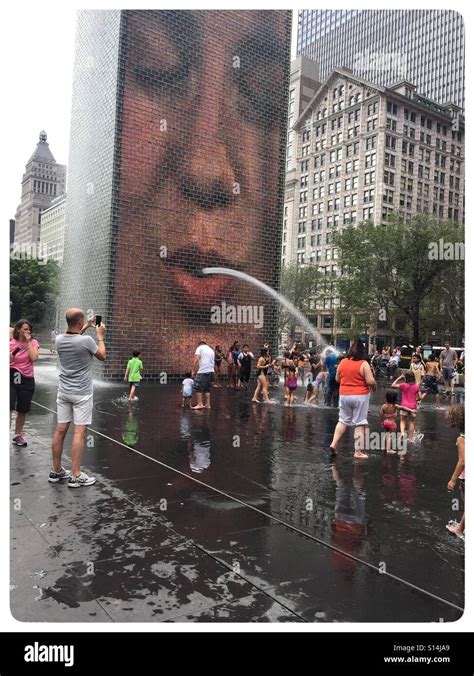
<point>346,381</point>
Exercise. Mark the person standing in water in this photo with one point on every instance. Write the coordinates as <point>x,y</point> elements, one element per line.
<point>133,373</point>
<point>356,380</point>
<point>330,362</point>
<point>410,397</point>
<point>448,360</point>
<point>203,371</point>
<point>430,382</point>
<point>418,368</point>
<point>262,382</point>
<point>292,384</point>
<point>244,363</point>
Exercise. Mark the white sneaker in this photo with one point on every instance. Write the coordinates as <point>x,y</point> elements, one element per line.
<point>81,480</point>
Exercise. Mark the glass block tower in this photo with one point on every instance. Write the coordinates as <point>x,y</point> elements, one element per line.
<point>425,47</point>
<point>176,164</point>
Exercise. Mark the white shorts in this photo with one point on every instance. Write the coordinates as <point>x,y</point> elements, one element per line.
<point>353,409</point>
<point>75,408</point>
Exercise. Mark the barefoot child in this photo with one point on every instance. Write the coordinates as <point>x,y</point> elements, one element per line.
<point>292,384</point>
<point>275,373</point>
<point>388,416</point>
<point>430,381</point>
<point>317,385</point>
<point>187,390</point>
<point>455,415</point>
<point>410,398</point>
<point>133,374</point>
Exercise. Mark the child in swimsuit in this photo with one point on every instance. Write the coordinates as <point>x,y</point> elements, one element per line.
<point>410,397</point>
<point>388,416</point>
<point>292,384</point>
<point>317,385</point>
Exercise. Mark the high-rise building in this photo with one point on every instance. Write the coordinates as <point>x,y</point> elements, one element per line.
<point>423,46</point>
<point>43,180</point>
<point>53,222</point>
<point>304,82</point>
<point>176,166</point>
<point>364,151</point>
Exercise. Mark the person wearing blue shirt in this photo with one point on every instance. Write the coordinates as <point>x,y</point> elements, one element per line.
<point>330,361</point>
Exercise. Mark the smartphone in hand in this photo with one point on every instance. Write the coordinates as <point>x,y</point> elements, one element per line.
<point>98,319</point>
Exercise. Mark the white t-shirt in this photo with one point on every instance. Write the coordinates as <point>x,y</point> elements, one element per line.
<point>188,387</point>
<point>206,359</point>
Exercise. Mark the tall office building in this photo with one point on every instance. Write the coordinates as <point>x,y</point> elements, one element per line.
<point>364,151</point>
<point>53,223</point>
<point>425,47</point>
<point>304,82</point>
<point>43,180</point>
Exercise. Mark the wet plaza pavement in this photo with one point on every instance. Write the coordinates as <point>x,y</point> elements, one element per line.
<point>232,514</point>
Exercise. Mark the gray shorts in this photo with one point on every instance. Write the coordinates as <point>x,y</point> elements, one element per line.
<point>203,382</point>
<point>353,409</point>
<point>448,372</point>
<point>76,408</point>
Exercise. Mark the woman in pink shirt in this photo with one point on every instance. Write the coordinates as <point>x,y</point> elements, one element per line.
<point>24,350</point>
<point>410,397</point>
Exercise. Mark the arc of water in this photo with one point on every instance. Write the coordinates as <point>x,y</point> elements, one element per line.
<point>299,316</point>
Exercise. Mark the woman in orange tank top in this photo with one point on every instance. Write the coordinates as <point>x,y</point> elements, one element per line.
<point>356,380</point>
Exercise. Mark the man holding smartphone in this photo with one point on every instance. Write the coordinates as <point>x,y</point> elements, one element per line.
<point>75,393</point>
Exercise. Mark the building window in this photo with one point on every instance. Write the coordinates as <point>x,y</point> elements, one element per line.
<point>370,160</point>
<point>370,143</point>
<point>392,108</point>
<point>369,195</point>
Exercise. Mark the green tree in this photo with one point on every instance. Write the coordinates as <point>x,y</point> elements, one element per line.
<point>300,285</point>
<point>400,269</point>
<point>34,288</point>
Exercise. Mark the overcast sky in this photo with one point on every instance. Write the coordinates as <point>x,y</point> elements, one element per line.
<point>39,83</point>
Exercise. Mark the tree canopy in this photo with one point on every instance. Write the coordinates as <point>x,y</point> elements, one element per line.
<point>411,269</point>
<point>34,287</point>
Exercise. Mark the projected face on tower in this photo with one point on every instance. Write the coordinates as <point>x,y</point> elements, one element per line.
<point>204,105</point>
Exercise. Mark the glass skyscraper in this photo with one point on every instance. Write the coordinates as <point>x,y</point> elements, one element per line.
<point>425,47</point>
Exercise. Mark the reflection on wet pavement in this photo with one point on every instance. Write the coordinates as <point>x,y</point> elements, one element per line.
<point>193,540</point>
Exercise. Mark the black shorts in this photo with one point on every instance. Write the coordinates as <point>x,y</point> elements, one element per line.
<point>430,385</point>
<point>202,382</point>
<point>22,389</point>
<point>130,384</point>
<point>244,375</point>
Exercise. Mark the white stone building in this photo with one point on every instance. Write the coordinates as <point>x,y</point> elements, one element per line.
<point>363,152</point>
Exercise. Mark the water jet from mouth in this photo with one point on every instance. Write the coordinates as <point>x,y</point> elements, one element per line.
<point>299,316</point>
